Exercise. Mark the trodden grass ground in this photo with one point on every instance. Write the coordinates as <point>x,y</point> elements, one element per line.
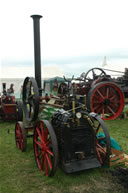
<point>19,174</point>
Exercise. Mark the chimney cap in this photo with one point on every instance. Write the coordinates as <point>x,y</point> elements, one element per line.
<point>36,16</point>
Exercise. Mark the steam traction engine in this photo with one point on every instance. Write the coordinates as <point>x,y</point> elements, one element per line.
<point>64,132</point>
<point>104,95</point>
<point>9,108</point>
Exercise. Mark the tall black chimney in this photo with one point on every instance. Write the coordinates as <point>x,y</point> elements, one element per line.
<point>37,54</point>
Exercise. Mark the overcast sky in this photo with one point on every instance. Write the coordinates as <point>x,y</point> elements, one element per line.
<point>75,35</point>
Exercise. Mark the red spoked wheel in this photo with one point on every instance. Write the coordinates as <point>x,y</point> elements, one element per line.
<point>20,136</point>
<point>107,99</point>
<point>102,139</point>
<point>45,147</point>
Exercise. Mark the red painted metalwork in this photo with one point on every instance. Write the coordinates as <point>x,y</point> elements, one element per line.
<point>44,149</point>
<point>9,108</point>
<point>107,99</point>
<point>20,136</point>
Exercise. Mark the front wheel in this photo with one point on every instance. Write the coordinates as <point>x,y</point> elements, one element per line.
<point>102,139</point>
<point>45,147</point>
<point>20,136</point>
<point>107,99</point>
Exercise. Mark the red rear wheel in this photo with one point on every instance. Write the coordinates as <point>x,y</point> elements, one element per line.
<point>45,148</point>
<point>102,139</point>
<point>106,98</point>
<point>20,136</point>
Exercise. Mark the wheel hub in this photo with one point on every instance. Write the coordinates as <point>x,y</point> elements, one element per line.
<point>106,102</point>
<point>44,149</point>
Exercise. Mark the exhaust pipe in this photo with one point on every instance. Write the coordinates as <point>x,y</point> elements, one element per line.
<point>4,86</point>
<point>37,53</point>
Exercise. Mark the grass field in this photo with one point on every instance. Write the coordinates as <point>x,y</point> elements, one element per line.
<point>19,174</point>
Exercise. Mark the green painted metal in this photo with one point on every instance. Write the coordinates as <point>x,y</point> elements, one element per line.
<point>46,112</point>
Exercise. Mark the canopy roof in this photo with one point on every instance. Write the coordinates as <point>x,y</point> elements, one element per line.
<point>50,80</point>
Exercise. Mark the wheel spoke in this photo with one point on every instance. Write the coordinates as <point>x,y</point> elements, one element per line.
<point>100,73</point>
<point>49,161</point>
<point>101,148</point>
<point>115,101</point>
<point>46,166</point>
<point>99,156</point>
<point>100,109</point>
<point>100,93</point>
<point>97,102</point>
<point>107,92</point>
<point>38,154</point>
<point>95,96</point>
<point>95,107</point>
<point>98,128</point>
<point>49,152</point>
<point>111,98</point>
<point>42,131</point>
<point>42,163</point>
<point>111,110</point>
<point>39,133</point>
<point>39,144</point>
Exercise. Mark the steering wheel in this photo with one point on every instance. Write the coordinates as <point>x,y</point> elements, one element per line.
<point>30,98</point>
<point>93,74</point>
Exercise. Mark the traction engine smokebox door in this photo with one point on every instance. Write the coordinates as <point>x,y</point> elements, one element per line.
<point>78,146</point>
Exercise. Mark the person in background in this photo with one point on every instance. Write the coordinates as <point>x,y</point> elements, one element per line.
<point>11,88</point>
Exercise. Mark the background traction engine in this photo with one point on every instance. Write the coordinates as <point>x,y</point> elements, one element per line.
<point>104,95</point>
<point>64,133</point>
<point>9,108</point>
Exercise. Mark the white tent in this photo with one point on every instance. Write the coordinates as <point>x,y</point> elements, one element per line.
<point>17,76</point>
<point>115,68</point>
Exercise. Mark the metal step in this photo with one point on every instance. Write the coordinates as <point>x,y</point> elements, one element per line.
<point>79,165</point>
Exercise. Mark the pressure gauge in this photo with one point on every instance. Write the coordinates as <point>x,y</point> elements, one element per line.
<point>78,115</point>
